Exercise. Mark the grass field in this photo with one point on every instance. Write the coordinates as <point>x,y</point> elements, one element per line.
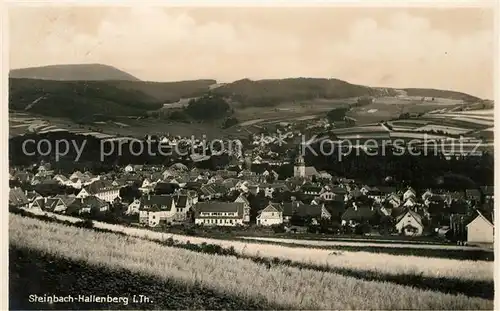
<point>35,272</point>
<point>278,286</point>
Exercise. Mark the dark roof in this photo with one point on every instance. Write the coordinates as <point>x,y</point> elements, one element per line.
<point>99,186</point>
<point>415,215</point>
<point>182,201</point>
<point>275,206</point>
<point>48,203</point>
<point>193,185</point>
<point>32,195</point>
<point>472,193</point>
<point>158,202</point>
<point>66,199</point>
<point>386,189</point>
<point>301,209</point>
<point>311,189</point>
<point>17,197</point>
<point>360,213</point>
<point>338,190</point>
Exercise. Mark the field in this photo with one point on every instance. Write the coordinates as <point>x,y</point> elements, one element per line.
<point>308,279</point>
<point>20,123</point>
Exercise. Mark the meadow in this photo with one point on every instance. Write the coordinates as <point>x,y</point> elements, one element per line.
<point>279,286</point>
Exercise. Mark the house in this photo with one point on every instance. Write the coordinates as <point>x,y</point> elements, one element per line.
<point>365,189</point>
<point>156,209</point>
<point>315,212</point>
<point>488,192</point>
<point>17,198</point>
<point>129,168</point>
<point>473,195</point>
<point>272,214</point>
<point>328,195</point>
<point>409,224</point>
<point>32,196</point>
<point>147,186</point>
<point>184,203</point>
<point>427,194</point>
<point>246,207</point>
<point>310,189</point>
<point>409,193</point>
<point>394,200</point>
<point>61,179</point>
<point>55,205</point>
<point>481,229</point>
<point>376,194</point>
<point>133,208</point>
<point>356,214</point>
<point>219,213</point>
<point>410,202</point>
<point>103,189</point>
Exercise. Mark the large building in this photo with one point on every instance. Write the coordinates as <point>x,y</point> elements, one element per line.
<point>219,213</point>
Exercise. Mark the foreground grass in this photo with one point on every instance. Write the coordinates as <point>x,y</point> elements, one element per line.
<point>33,272</point>
<point>436,251</point>
<point>285,286</point>
<point>483,289</point>
<point>362,262</point>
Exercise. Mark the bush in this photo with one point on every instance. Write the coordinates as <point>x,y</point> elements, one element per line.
<point>363,229</point>
<point>278,228</point>
<point>87,223</point>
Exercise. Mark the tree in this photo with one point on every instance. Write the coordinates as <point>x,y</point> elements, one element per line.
<point>231,121</point>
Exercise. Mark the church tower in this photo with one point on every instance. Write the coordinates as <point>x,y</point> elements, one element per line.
<point>299,168</point>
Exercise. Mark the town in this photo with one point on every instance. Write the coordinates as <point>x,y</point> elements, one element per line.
<point>312,201</point>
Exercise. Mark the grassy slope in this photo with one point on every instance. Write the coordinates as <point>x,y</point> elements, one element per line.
<point>75,99</point>
<point>453,285</point>
<point>290,287</point>
<point>33,272</point>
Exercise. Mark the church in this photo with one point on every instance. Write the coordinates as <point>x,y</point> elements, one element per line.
<point>301,170</point>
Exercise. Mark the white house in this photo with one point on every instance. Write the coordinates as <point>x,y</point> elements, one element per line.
<point>410,224</point>
<point>219,213</point>
<point>410,193</point>
<point>156,209</point>
<point>271,215</point>
<point>104,190</point>
<point>129,168</point>
<point>410,202</point>
<point>480,230</point>
<point>133,208</point>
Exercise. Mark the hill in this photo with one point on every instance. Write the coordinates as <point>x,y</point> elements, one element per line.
<point>275,91</point>
<point>167,92</point>
<point>73,72</point>
<point>78,100</point>
<point>441,94</point>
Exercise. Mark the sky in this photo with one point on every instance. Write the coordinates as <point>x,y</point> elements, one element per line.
<point>443,48</point>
